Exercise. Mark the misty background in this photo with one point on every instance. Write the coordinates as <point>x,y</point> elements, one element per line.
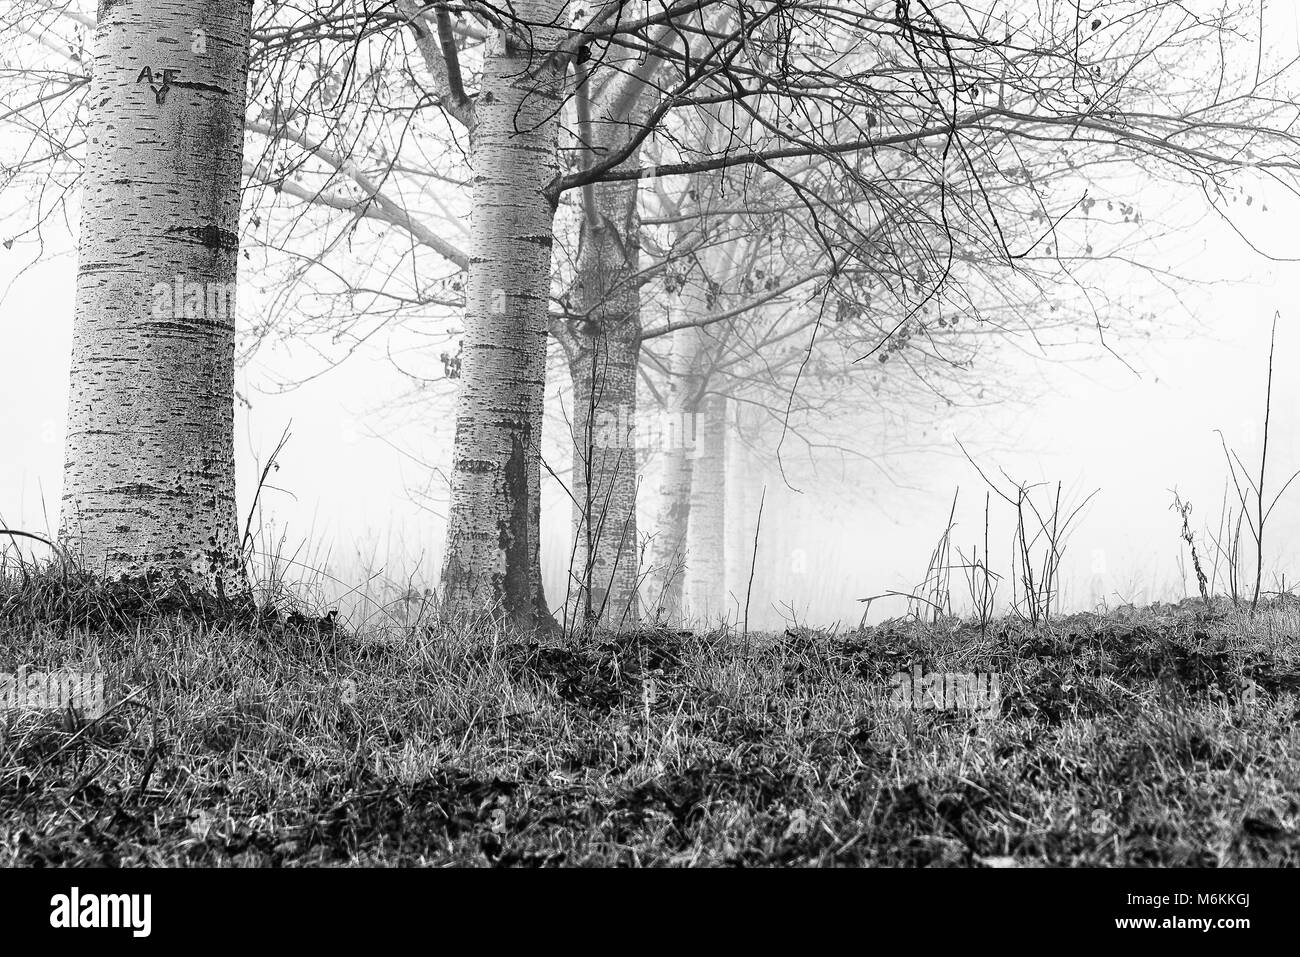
<point>349,497</point>
<point>354,507</point>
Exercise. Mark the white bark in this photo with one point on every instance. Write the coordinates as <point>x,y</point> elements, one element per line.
<point>148,486</point>
<point>492,557</point>
<point>706,536</point>
<point>603,348</point>
<point>669,557</point>
<point>603,368</point>
<point>670,534</point>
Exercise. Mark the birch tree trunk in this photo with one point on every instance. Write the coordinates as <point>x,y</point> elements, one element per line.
<point>673,518</point>
<point>604,369</point>
<point>492,560</point>
<point>149,481</point>
<point>603,348</point>
<point>706,536</point>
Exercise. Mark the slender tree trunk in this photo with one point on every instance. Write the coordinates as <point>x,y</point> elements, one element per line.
<point>741,516</point>
<point>603,348</point>
<point>706,538</point>
<point>149,479</point>
<point>671,530</point>
<point>680,441</point>
<point>492,562</point>
<point>605,477</point>
<point>677,432</point>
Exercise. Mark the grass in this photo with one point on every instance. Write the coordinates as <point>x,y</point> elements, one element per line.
<point>287,740</point>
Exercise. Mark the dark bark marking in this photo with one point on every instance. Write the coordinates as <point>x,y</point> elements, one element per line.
<point>210,235</point>
<point>517,587</point>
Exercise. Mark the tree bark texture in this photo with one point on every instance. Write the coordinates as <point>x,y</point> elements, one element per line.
<point>492,560</point>
<point>706,535</point>
<point>149,482</point>
<point>603,347</point>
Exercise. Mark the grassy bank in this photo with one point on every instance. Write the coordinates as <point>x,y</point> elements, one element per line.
<point>1165,736</point>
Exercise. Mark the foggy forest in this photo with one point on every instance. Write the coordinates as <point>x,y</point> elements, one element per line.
<point>649,433</point>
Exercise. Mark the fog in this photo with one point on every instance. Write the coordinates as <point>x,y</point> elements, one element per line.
<point>353,507</point>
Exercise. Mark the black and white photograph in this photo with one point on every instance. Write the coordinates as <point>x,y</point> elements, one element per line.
<point>645,435</point>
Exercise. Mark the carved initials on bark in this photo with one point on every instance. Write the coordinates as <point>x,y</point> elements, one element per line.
<point>159,92</point>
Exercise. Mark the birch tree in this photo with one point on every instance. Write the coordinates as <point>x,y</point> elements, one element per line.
<point>149,484</point>
<point>601,341</point>
<point>492,558</point>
